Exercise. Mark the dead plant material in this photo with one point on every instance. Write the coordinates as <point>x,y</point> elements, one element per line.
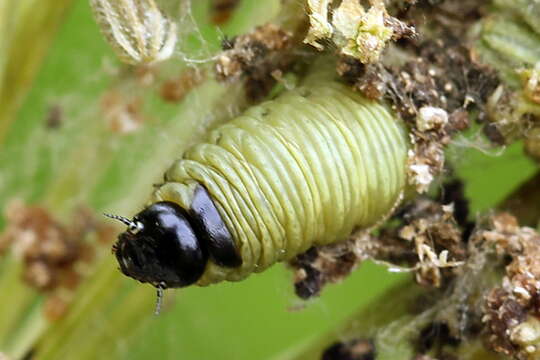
<point>54,255</point>
<point>54,118</point>
<point>40,241</point>
<point>434,93</point>
<point>354,29</point>
<point>144,75</point>
<point>511,308</point>
<point>319,266</point>
<point>253,57</point>
<point>427,241</point>
<point>356,349</point>
<point>513,117</point>
<point>222,10</point>
<point>435,88</point>
<point>55,307</point>
<point>174,90</point>
<point>122,114</point>
<point>422,237</point>
<point>437,240</point>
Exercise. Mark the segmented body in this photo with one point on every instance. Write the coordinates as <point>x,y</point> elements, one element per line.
<point>304,169</point>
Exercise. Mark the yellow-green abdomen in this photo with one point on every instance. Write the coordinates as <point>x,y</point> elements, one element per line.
<point>301,170</point>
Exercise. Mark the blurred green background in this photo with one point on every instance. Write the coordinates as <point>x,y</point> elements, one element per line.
<point>83,162</point>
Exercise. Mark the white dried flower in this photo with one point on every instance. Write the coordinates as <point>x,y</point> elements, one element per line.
<point>430,117</point>
<point>420,177</point>
<point>137,30</point>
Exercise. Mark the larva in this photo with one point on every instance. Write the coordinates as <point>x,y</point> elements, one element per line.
<point>304,169</point>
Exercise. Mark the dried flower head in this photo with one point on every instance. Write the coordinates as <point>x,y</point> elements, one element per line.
<point>319,27</point>
<point>359,33</point>
<point>137,30</point>
<point>364,34</point>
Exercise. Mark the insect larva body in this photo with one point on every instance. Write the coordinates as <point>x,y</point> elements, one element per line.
<point>304,169</point>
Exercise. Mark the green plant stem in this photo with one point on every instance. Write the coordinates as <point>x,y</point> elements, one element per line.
<point>30,329</point>
<point>16,300</point>
<point>27,28</point>
<point>75,326</point>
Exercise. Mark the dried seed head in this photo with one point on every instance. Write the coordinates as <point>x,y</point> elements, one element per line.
<point>137,30</point>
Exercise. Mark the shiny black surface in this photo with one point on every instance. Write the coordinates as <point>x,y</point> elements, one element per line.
<point>212,231</point>
<point>166,251</point>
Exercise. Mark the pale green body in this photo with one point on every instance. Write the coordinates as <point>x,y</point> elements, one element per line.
<point>304,169</point>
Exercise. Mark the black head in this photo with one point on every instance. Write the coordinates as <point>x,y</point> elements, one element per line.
<point>160,247</point>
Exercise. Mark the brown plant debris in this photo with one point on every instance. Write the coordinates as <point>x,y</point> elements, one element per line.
<point>54,255</point>
<point>174,90</point>
<point>56,306</point>
<point>427,241</point>
<point>512,111</point>
<point>144,75</point>
<point>222,10</point>
<point>433,93</point>
<point>356,349</point>
<point>434,89</point>
<point>254,56</point>
<point>54,117</point>
<point>122,114</point>
<point>439,244</point>
<point>511,309</point>
<point>436,237</point>
<point>422,237</point>
<point>319,266</point>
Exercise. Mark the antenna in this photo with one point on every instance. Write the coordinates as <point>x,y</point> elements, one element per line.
<point>159,300</point>
<point>122,219</point>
